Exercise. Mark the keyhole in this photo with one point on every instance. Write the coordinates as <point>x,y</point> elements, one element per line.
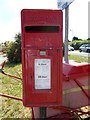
<point>31,76</point>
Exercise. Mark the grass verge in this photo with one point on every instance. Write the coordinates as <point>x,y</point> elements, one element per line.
<point>79,58</point>
<point>11,108</point>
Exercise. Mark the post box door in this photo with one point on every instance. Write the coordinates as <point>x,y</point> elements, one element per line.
<point>42,85</point>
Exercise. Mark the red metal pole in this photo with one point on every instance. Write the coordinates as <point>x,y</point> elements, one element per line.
<point>12,97</point>
<point>82,89</point>
<point>9,75</point>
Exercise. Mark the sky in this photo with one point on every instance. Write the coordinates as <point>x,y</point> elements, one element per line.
<point>10,19</point>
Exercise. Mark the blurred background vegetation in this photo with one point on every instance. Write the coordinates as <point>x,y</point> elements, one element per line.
<point>12,49</point>
<point>77,43</point>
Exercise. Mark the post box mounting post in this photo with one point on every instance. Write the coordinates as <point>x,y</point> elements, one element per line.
<point>42,111</point>
<point>66,33</point>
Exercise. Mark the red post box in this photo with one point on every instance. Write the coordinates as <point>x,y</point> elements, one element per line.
<point>42,57</point>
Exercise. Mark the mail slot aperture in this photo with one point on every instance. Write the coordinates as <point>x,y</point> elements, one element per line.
<point>42,29</point>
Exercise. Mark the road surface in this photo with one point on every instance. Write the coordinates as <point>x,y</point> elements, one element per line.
<point>76,52</point>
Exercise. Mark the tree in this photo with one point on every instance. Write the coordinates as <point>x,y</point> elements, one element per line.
<point>14,50</point>
<point>74,38</point>
<point>88,39</point>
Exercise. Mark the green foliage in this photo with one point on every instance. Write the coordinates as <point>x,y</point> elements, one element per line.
<point>75,38</point>
<point>14,50</point>
<point>77,43</point>
<point>79,58</point>
<point>88,39</point>
<point>3,46</point>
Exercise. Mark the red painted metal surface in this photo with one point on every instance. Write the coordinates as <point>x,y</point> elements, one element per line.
<point>13,76</point>
<point>76,89</point>
<point>42,41</point>
<point>75,70</point>
<point>12,97</point>
<point>76,85</point>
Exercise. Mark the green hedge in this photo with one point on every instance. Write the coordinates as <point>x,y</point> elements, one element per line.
<point>77,43</point>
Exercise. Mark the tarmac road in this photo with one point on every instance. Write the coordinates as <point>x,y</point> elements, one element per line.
<point>76,52</point>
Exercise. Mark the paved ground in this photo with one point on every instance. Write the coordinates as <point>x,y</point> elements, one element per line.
<point>76,52</point>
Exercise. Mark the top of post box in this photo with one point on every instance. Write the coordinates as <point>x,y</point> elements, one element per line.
<point>42,29</point>
<point>39,16</point>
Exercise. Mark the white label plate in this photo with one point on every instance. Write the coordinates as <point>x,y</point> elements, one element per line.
<point>42,73</point>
